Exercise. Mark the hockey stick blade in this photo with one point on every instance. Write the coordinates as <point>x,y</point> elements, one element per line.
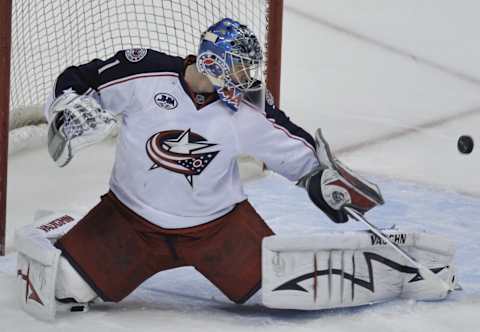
<point>426,273</point>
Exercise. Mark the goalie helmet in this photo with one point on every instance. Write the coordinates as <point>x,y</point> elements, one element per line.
<point>231,57</point>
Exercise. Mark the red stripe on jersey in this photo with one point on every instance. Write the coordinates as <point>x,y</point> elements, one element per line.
<point>292,136</point>
<point>285,130</point>
<point>134,77</point>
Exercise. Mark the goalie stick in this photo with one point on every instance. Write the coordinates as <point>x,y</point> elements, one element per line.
<point>426,273</point>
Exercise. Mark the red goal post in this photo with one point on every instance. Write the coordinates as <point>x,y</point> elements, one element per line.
<point>36,35</point>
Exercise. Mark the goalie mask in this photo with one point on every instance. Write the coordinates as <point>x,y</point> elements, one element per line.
<point>231,57</point>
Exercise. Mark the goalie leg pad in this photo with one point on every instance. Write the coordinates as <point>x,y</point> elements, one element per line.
<point>38,275</point>
<point>70,285</point>
<point>335,270</point>
<point>37,263</point>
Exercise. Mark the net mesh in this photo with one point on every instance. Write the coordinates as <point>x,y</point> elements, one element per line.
<point>50,35</point>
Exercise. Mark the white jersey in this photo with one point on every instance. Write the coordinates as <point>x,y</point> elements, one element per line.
<point>176,159</point>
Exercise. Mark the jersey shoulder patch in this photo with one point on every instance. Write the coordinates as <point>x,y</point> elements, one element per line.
<point>135,54</point>
<point>137,61</point>
<point>148,60</point>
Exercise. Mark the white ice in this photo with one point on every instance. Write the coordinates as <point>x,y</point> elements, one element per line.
<point>356,92</point>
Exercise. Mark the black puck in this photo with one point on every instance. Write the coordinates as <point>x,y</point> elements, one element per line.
<point>465,144</point>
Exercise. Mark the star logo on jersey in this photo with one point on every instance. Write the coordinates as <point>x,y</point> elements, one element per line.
<point>30,292</point>
<point>180,151</point>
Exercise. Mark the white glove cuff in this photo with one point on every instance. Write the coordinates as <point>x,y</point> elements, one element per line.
<point>333,193</point>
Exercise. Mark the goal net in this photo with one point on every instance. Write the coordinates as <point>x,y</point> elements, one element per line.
<point>48,36</point>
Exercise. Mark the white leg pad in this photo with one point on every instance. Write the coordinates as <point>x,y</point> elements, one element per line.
<point>333,270</point>
<point>38,264</point>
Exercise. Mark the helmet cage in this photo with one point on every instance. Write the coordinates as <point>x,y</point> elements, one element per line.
<point>231,57</point>
<point>244,72</point>
<point>232,71</point>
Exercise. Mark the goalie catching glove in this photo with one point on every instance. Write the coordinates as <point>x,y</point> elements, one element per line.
<point>333,186</point>
<point>76,121</point>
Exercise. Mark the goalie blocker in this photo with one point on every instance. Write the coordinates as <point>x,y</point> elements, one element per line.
<point>333,186</point>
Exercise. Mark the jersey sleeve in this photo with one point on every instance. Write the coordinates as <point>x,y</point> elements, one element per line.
<point>270,136</point>
<point>109,81</point>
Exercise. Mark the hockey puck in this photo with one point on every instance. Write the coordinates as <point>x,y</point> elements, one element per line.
<point>465,144</point>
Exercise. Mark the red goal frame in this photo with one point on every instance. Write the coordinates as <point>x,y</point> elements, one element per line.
<point>5,47</point>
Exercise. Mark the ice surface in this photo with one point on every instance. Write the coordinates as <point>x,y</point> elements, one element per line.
<point>358,92</point>
<point>182,300</point>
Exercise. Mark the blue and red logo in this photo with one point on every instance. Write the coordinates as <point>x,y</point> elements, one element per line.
<point>180,151</point>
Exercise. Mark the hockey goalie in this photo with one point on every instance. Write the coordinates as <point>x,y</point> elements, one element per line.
<point>176,199</point>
